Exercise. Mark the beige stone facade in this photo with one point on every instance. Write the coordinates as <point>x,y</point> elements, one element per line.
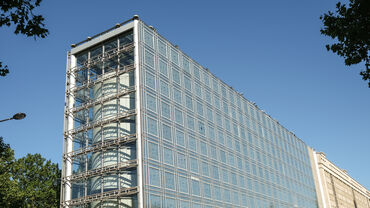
<point>334,187</point>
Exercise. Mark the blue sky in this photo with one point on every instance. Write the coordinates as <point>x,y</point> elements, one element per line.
<point>272,51</point>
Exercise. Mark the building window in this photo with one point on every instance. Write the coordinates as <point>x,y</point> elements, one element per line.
<point>150,80</point>
<point>169,180</point>
<point>215,173</point>
<point>178,116</point>
<point>195,187</point>
<point>153,151</point>
<point>164,88</point>
<point>154,177</point>
<point>167,156</point>
<point>192,144</point>
<point>155,201</point>
<point>201,128</point>
<point>200,108</point>
<point>186,66</point>
<point>194,165</point>
<point>166,130</point>
<point>176,76</point>
<point>162,48</point>
<point>196,72</point>
<point>163,68</point>
<point>190,122</point>
<point>177,96</point>
<point>189,102</point>
<point>207,190</point>
<point>148,38</point>
<point>151,103</point>
<point>166,110</point>
<point>149,58</point>
<point>152,126</point>
<point>198,90</point>
<point>187,83</point>
<point>205,168</point>
<point>180,138</point>
<point>183,184</point>
<point>181,161</point>
<point>175,56</point>
<point>203,148</point>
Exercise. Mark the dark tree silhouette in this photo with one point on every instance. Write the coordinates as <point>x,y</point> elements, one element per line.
<point>20,14</point>
<point>350,26</point>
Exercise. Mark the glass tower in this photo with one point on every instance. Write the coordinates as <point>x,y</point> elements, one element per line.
<point>147,126</point>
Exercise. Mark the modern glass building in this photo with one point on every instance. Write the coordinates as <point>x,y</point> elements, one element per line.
<point>147,126</point>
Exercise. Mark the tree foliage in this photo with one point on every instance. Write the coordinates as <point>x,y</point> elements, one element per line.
<point>31,181</point>
<point>350,26</point>
<point>20,13</point>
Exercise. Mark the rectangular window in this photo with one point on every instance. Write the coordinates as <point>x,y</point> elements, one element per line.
<point>205,168</point>
<point>180,138</point>
<point>186,65</point>
<point>167,156</point>
<point>192,144</point>
<point>206,78</point>
<point>207,190</point>
<point>153,151</point>
<point>221,139</point>
<point>148,38</point>
<point>215,173</point>
<point>213,152</point>
<point>189,102</point>
<point>155,201</point>
<point>150,80</point>
<point>169,180</point>
<point>163,68</point>
<point>203,148</point>
<point>196,72</point>
<point>227,197</point>
<point>164,88</point>
<point>199,108</point>
<point>190,122</point>
<point>215,85</point>
<point>151,103</point>
<point>222,156</point>
<point>166,110</point>
<point>181,161</point>
<point>217,103</point>
<point>195,187</point>
<point>174,56</point>
<point>177,97</point>
<point>208,97</point>
<point>201,128</point>
<point>187,83</point>
<point>178,116</point>
<point>194,165</point>
<point>176,76</point>
<point>198,90</point>
<point>162,48</point>
<point>183,184</point>
<point>152,126</point>
<point>149,58</point>
<point>211,133</point>
<point>166,131</point>
<point>154,177</point>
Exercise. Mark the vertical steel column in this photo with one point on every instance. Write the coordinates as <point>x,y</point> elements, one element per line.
<point>139,171</point>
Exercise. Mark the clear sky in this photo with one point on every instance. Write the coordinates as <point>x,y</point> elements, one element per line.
<point>272,51</point>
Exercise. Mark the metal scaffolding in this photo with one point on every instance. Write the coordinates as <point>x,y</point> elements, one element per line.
<point>89,92</point>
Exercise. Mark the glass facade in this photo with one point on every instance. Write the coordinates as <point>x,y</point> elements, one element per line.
<point>206,146</point>
<point>199,142</point>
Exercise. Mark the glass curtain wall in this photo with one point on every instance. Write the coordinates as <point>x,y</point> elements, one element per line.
<point>205,145</point>
<point>104,122</point>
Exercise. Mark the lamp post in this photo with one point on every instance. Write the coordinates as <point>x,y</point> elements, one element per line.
<point>17,116</point>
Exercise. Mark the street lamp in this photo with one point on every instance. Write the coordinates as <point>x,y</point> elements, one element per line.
<point>17,116</point>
